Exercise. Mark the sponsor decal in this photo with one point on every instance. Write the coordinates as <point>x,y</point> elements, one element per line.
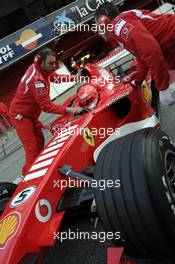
<point>63,19</point>
<point>117,98</point>
<point>43,210</point>
<point>88,137</point>
<point>8,228</point>
<point>6,54</point>
<point>123,29</point>
<point>28,39</point>
<point>22,196</point>
<point>39,85</point>
<point>119,26</point>
<point>89,7</point>
<point>147,94</point>
<point>41,31</point>
<point>126,30</point>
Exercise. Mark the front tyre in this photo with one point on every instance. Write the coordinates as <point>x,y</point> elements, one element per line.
<point>143,208</point>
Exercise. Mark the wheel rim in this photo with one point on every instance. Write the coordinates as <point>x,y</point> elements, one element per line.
<point>170,174</point>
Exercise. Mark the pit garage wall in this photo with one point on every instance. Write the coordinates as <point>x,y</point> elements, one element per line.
<point>57,89</point>
<point>10,77</point>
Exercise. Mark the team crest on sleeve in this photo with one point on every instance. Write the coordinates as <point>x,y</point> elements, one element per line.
<point>123,29</point>
<point>119,26</point>
<point>126,30</point>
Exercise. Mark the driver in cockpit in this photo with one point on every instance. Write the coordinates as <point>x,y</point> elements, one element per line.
<point>87,97</point>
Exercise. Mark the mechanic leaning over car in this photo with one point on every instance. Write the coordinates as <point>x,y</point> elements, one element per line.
<point>148,36</point>
<point>31,98</point>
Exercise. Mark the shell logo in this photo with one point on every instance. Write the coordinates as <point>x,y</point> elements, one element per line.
<point>28,39</point>
<point>8,228</point>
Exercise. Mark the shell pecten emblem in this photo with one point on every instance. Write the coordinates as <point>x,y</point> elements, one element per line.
<point>88,137</point>
<point>8,228</point>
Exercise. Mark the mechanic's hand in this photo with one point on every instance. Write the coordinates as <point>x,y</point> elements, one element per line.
<point>128,78</point>
<point>167,97</point>
<point>135,85</point>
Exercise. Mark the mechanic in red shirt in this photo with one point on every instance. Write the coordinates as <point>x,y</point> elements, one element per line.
<point>31,98</point>
<point>148,36</point>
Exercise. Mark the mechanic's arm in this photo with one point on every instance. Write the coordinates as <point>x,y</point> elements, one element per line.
<point>148,50</point>
<point>43,98</point>
<point>141,73</point>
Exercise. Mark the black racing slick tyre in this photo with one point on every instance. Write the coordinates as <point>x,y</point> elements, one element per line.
<point>6,191</point>
<point>142,209</point>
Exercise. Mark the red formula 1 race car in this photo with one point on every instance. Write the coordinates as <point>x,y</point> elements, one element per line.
<point>111,157</point>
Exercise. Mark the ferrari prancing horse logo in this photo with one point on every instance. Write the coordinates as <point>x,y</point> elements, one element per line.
<point>88,137</point>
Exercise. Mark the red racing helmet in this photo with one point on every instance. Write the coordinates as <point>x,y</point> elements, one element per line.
<point>88,96</point>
